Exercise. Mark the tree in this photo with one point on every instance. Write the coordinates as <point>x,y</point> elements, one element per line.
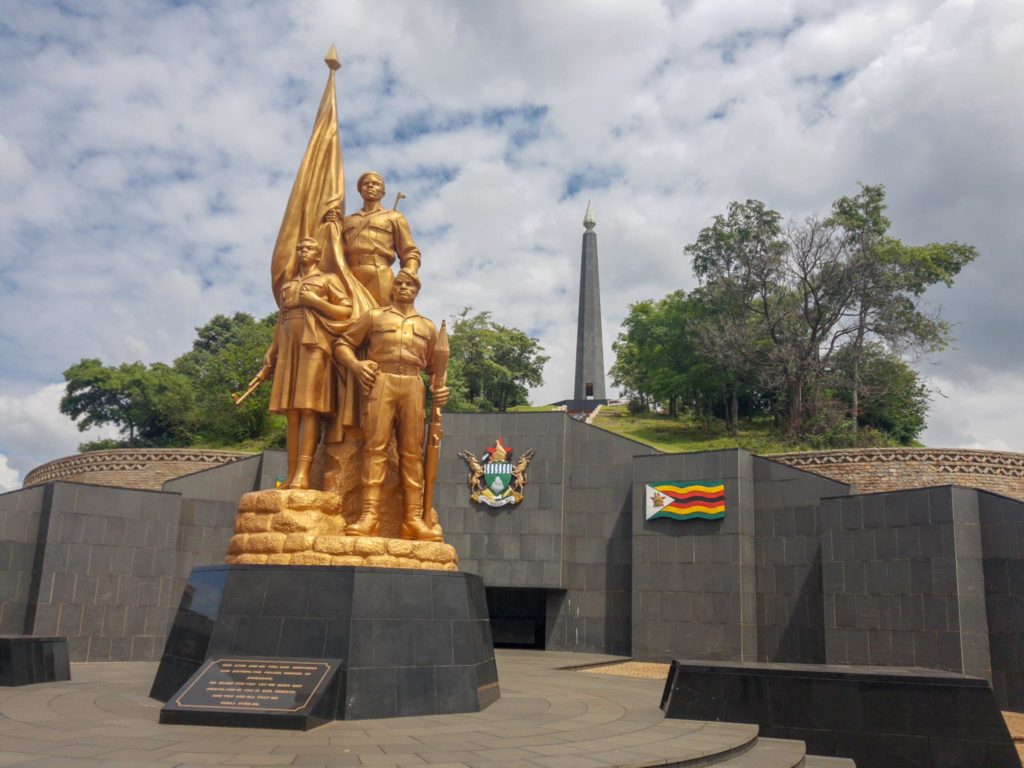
<point>151,405</point>
<point>491,366</point>
<point>893,399</point>
<point>890,280</point>
<point>739,262</point>
<point>658,360</point>
<point>227,353</point>
<point>786,301</point>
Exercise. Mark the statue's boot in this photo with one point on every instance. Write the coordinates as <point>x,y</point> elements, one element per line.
<point>367,524</point>
<point>300,480</point>
<point>413,526</point>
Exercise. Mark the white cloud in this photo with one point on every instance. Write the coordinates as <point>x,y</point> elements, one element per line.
<point>34,432</point>
<point>982,412</point>
<point>10,478</point>
<point>142,180</point>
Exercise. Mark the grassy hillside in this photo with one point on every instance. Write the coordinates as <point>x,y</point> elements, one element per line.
<point>683,434</point>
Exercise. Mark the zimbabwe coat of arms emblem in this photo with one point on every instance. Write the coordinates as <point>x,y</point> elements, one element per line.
<point>494,478</point>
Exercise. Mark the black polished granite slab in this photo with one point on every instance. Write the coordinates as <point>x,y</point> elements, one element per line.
<point>878,716</point>
<point>249,692</point>
<point>25,659</point>
<point>409,642</point>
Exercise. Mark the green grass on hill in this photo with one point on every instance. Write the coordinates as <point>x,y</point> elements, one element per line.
<point>684,434</point>
<point>532,408</point>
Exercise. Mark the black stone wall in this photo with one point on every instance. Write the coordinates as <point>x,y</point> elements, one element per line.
<point>903,580</point>
<point>20,516</point>
<point>518,545</point>
<point>105,565</point>
<point>1002,544</point>
<point>790,617</point>
<point>694,581</point>
<point>209,500</point>
<point>594,614</point>
<point>571,533</point>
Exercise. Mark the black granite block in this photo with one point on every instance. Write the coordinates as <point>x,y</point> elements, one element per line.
<point>363,626</point>
<point>456,690</point>
<point>357,634</point>
<point>370,692</point>
<point>450,599</point>
<point>303,637</point>
<point>287,594</point>
<point>25,660</point>
<point>392,643</point>
<point>372,594</point>
<point>432,642</point>
<point>242,596</point>
<point>878,718</point>
<point>414,691</point>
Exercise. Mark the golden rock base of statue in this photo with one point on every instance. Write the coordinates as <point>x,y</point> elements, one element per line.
<point>288,527</point>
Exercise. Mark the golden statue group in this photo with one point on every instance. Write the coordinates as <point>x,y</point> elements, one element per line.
<point>347,357</point>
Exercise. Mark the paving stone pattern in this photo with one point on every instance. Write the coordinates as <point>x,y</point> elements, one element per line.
<point>547,717</point>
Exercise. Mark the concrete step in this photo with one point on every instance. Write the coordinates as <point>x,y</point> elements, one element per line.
<point>818,761</point>
<point>767,753</point>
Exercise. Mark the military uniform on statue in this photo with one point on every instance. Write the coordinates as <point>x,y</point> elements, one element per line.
<point>319,569</point>
<point>400,344</point>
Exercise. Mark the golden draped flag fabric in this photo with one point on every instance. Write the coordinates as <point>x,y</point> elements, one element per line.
<point>318,189</point>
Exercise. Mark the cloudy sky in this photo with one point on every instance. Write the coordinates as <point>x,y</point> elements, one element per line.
<point>147,150</point>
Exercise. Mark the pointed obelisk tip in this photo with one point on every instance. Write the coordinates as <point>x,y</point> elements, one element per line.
<point>588,218</point>
<point>332,59</point>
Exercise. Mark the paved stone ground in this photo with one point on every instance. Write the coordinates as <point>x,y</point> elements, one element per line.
<point>547,718</point>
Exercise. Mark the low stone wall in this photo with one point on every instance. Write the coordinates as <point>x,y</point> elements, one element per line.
<point>143,468</point>
<point>873,470</point>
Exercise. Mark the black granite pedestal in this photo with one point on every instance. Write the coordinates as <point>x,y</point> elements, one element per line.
<point>25,659</point>
<point>409,642</point>
<point>878,716</point>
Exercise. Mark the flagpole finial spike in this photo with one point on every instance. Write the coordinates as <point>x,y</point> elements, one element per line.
<point>332,59</point>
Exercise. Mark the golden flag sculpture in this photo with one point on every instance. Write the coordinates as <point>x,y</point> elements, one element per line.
<point>318,189</point>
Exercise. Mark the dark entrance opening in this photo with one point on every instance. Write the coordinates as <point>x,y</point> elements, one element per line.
<point>590,390</point>
<point>518,616</point>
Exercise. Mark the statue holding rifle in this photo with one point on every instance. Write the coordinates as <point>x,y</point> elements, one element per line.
<point>346,366</point>
<point>400,344</point>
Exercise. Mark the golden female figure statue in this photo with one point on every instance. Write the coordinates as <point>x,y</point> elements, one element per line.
<point>313,305</point>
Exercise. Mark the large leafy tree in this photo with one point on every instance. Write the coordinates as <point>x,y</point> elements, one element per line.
<point>151,405</point>
<point>492,366</point>
<point>227,352</point>
<point>810,320</point>
<point>890,280</point>
<point>656,356</point>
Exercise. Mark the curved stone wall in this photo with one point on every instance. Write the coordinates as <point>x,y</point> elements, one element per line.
<point>892,469</point>
<point>144,468</point>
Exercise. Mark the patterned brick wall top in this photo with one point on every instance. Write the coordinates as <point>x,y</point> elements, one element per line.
<point>873,470</point>
<point>146,468</point>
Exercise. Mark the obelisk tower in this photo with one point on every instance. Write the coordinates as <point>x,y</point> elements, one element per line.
<point>589,344</point>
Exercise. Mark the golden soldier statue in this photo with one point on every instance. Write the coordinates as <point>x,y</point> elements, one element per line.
<point>348,353</point>
<point>400,345</point>
<point>373,236</point>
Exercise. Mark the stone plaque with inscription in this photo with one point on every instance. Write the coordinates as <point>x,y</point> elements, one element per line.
<point>257,692</point>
